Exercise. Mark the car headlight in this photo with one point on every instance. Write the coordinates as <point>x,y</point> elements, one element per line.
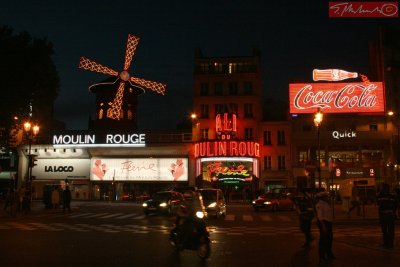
<point>212,205</point>
<point>164,204</point>
<point>254,202</point>
<point>200,214</point>
<point>267,202</point>
<point>144,204</point>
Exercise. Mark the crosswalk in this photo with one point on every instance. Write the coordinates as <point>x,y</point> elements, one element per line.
<point>263,231</point>
<point>140,216</point>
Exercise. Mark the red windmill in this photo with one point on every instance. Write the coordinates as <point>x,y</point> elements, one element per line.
<point>124,77</point>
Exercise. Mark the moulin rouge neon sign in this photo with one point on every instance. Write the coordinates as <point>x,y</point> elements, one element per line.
<point>227,148</point>
<point>226,127</point>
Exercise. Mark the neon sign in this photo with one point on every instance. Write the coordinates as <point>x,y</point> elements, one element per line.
<point>219,169</point>
<point>337,97</point>
<point>228,171</point>
<point>225,126</point>
<point>92,140</point>
<point>227,148</point>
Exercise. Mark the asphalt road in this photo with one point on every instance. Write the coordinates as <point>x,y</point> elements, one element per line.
<point>118,234</point>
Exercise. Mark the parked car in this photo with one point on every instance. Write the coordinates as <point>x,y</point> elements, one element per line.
<point>274,202</point>
<point>164,202</point>
<point>213,201</point>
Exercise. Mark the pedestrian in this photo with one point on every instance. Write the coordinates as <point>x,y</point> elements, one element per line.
<point>55,198</point>
<point>387,205</point>
<point>355,202</point>
<point>20,197</point>
<point>324,215</point>
<point>10,197</point>
<point>305,209</point>
<point>67,199</point>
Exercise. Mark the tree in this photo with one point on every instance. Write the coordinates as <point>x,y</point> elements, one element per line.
<point>29,81</point>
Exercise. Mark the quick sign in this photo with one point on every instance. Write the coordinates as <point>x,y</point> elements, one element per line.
<point>337,97</point>
<point>343,134</point>
<point>97,140</point>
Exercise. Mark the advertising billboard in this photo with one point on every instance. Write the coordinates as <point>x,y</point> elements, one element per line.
<point>139,169</point>
<point>49,169</point>
<point>358,97</point>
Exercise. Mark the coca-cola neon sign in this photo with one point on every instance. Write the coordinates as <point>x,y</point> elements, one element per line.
<point>337,97</point>
<point>227,148</point>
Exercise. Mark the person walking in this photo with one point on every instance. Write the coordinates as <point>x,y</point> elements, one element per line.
<point>305,209</point>
<point>325,225</point>
<point>20,197</point>
<point>67,199</point>
<point>387,205</point>
<point>55,197</point>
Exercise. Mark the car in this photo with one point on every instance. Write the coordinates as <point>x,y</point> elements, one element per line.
<point>163,202</point>
<point>213,201</point>
<point>274,202</point>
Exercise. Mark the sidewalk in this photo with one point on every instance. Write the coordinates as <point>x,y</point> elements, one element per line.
<point>368,212</point>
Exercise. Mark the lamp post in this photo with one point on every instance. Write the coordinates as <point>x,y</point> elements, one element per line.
<point>318,117</point>
<point>397,146</point>
<point>30,132</point>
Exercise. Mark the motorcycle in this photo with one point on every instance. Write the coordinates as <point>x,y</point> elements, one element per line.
<point>192,234</point>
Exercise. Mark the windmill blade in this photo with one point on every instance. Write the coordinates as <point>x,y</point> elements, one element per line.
<point>88,64</point>
<point>155,86</point>
<point>131,45</point>
<point>117,103</point>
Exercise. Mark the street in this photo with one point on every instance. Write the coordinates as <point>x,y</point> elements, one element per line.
<point>115,234</point>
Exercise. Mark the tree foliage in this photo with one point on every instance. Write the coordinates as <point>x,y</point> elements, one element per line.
<point>28,77</point>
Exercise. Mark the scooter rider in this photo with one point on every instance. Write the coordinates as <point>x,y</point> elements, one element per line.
<point>187,219</point>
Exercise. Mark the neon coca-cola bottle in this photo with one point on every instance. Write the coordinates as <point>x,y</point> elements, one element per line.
<point>333,75</point>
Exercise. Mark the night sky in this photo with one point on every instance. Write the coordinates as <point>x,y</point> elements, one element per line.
<point>294,37</point>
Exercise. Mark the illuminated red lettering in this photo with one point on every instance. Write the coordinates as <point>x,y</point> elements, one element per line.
<point>227,148</point>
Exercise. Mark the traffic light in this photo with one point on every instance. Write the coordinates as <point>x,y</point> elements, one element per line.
<point>32,159</point>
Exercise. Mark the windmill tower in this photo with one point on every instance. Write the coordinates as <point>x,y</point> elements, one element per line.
<point>116,97</point>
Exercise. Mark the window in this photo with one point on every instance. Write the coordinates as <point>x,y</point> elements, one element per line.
<point>204,111</point>
<point>248,110</point>
<point>281,163</point>
<point>267,138</point>
<point>217,67</point>
<point>218,89</point>
<point>219,109</point>
<point>373,127</point>
<point>233,88</point>
<point>204,67</point>
<point>233,108</point>
<point>204,134</point>
<point>267,163</point>
<point>281,137</point>
<point>233,67</point>
<point>248,133</point>
<point>204,89</point>
<point>248,88</point>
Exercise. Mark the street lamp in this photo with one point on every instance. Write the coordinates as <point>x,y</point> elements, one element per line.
<point>30,132</point>
<point>397,146</point>
<point>318,117</point>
